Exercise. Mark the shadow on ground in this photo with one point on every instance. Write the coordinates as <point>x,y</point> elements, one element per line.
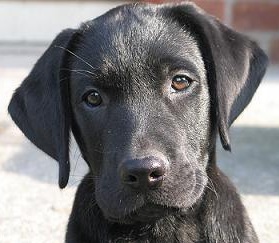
<point>253,164</point>
<point>31,162</point>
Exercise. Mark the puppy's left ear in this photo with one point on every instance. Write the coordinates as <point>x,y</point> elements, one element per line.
<point>40,106</point>
<point>235,65</point>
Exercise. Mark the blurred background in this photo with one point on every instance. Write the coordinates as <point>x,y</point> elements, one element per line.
<point>34,210</point>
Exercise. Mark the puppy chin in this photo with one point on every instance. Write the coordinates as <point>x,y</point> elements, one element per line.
<point>147,214</point>
<point>144,212</point>
<point>118,209</point>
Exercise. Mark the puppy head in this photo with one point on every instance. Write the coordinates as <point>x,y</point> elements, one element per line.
<point>144,89</point>
<point>141,113</point>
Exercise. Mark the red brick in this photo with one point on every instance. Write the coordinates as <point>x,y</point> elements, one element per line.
<point>213,7</point>
<point>256,16</point>
<point>274,51</point>
<point>154,1</point>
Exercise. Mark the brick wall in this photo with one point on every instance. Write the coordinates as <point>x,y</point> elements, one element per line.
<point>256,18</point>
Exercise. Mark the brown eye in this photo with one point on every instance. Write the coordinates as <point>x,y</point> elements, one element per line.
<point>93,98</point>
<point>180,82</point>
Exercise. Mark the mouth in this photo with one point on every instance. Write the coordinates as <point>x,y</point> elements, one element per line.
<point>147,213</point>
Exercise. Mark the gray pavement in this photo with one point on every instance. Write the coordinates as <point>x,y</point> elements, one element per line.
<point>34,210</point>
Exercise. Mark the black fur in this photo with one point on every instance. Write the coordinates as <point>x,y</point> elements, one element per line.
<point>130,55</point>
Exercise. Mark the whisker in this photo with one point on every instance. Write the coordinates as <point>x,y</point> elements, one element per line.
<point>79,176</point>
<point>104,152</point>
<point>75,182</point>
<point>62,79</point>
<point>77,160</point>
<point>75,165</point>
<point>210,185</point>
<point>75,55</point>
<point>78,71</point>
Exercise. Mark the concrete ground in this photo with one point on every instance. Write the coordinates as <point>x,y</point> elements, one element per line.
<point>34,210</point>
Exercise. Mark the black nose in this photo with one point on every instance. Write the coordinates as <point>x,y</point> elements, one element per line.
<point>143,173</point>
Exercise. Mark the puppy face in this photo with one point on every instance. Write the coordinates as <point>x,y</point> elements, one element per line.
<point>144,88</point>
<point>149,81</point>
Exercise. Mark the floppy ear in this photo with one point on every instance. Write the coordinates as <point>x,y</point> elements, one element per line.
<point>235,65</point>
<point>40,106</point>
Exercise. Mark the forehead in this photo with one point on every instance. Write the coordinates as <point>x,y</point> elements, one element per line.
<point>137,40</point>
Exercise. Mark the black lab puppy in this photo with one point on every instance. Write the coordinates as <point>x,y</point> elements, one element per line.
<point>145,89</point>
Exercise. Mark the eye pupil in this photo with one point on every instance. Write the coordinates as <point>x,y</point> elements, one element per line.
<point>180,82</point>
<point>93,98</point>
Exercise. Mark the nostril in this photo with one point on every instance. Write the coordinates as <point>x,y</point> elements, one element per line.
<point>155,175</point>
<point>131,178</point>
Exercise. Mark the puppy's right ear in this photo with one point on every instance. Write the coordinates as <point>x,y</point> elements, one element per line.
<point>235,64</point>
<point>40,106</point>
